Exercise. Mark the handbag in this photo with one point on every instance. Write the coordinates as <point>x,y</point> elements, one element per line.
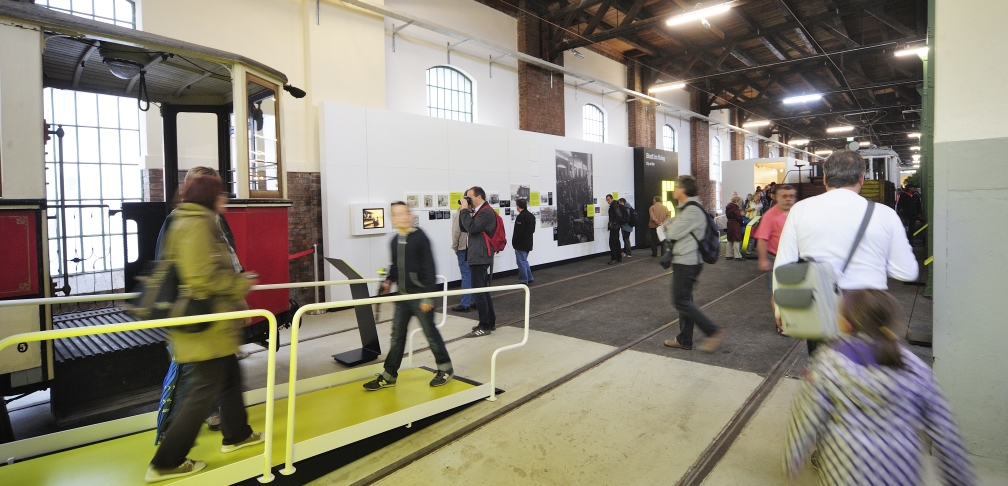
<point>162,296</point>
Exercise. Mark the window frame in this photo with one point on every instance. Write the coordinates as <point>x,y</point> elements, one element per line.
<point>446,109</point>
<point>278,193</point>
<point>671,137</point>
<point>603,135</point>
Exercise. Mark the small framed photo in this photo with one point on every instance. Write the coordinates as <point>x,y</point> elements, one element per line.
<point>446,214</point>
<point>416,220</point>
<point>428,201</point>
<point>432,215</point>
<point>443,200</point>
<point>507,211</point>
<point>413,201</point>
<point>494,198</point>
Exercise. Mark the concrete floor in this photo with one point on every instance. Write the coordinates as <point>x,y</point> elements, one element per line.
<point>642,417</point>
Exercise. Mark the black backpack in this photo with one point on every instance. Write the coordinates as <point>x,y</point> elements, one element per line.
<point>710,245</point>
<point>632,219</point>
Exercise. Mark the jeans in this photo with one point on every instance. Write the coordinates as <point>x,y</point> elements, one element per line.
<point>484,304</point>
<point>404,310</point>
<point>626,242</point>
<point>466,277</point>
<point>206,382</point>
<point>653,233</point>
<point>684,277</point>
<point>524,272</point>
<point>614,245</point>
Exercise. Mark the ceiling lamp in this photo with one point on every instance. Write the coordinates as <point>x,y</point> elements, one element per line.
<point>666,87</point>
<point>916,157</point>
<point>912,50</point>
<point>845,128</point>
<point>823,152</point>
<point>754,124</point>
<point>914,135</point>
<point>800,141</point>
<point>865,144</point>
<point>802,99</point>
<point>915,147</point>
<point>699,14</point>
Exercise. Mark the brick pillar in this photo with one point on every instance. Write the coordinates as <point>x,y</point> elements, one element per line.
<point>152,185</point>
<point>304,221</point>
<point>737,138</point>
<point>764,149</point>
<point>540,92</point>
<point>700,148</point>
<point>641,130</point>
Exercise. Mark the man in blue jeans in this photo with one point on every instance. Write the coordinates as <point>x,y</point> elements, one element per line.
<point>521,241</point>
<point>460,241</point>
<point>413,272</point>
<point>477,219</point>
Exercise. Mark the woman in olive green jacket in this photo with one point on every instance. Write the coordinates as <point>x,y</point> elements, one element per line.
<point>203,261</point>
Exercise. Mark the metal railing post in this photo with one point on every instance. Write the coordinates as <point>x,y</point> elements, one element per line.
<point>444,319</point>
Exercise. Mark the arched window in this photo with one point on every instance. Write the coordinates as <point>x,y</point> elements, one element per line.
<point>594,123</point>
<point>449,94</point>
<point>668,138</point>
<point>715,168</point>
<point>748,151</point>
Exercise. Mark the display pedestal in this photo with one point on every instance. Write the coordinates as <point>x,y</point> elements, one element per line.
<point>370,348</point>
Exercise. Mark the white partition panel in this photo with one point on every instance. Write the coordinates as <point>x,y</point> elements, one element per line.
<point>371,155</point>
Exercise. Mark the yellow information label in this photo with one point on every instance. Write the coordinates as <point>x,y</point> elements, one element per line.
<point>534,198</point>
<point>591,211</point>
<point>497,210</point>
<point>615,195</point>
<point>455,196</point>
<point>929,260</point>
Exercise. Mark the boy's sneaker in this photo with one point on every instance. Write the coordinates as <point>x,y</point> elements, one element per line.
<point>213,422</point>
<point>187,467</point>
<point>378,383</point>
<point>255,438</point>
<point>441,378</point>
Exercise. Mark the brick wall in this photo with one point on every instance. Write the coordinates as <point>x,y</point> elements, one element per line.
<point>764,148</point>
<point>700,160</point>
<point>641,130</point>
<point>737,146</point>
<point>152,185</point>
<point>540,92</point>
<point>305,229</point>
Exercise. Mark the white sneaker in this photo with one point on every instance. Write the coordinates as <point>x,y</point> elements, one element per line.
<point>255,438</point>
<point>187,467</point>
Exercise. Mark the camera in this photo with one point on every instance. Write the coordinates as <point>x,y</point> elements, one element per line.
<point>468,200</point>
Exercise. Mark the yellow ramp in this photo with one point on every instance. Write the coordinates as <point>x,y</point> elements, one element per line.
<point>124,460</point>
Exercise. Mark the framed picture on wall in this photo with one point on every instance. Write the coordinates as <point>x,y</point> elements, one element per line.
<point>370,218</point>
<point>494,198</point>
<point>443,201</point>
<point>428,201</point>
<point>416,220</point>
<point>413,201</point>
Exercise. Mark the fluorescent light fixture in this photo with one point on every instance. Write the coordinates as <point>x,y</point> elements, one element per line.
<point>846,128</point>
<point>915,147</point>
<point>823,152</point>
<point>802,99</point>
<point>577,54</point>
<point>699,14</point>
<point>916,157</point>
<point>912,50</point>
<point>666,87</point>
<point>800,141</point>
<point>914,135</point>
<point>753,124</point>
<point>865,144</point>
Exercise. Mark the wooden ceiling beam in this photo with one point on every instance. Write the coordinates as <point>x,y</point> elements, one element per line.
<point>593,23</point>
<point>891,22</point>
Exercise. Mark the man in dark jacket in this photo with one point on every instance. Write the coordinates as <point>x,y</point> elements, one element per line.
<point>479,221</point>
<point>413,272</point>
<point>615,227</point>
<point>521,240</point>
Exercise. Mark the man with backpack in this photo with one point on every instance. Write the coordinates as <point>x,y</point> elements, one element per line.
<point>479,220</point>
<point>629,223</point>
<point>688,234</point>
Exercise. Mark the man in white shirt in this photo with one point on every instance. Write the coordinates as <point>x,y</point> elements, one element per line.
<point>824,227</point>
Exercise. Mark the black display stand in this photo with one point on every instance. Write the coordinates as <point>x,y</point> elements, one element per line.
<point>370,348</point>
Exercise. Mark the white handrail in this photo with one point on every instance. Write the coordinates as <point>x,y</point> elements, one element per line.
<point>38,336</point>
<point>295,325</point>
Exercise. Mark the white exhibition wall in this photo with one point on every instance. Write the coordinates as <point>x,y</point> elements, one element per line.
<point>372,155</point>
<point>742,176</point>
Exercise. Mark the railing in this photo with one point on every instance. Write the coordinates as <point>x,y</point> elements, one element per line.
<point>38,336</point>
<point>295,325</point>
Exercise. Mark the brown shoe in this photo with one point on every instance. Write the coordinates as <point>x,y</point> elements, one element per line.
<point>672,343</point>
<point>712,342</point>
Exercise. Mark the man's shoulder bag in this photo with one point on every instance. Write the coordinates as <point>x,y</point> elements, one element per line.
<point>808,295</point>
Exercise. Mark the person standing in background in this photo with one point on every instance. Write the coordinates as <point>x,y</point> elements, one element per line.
<point>521,241</point>
<point>460,241</point>
<point>477,219</point>
<point>615,225</point>
<point>734,216</point>
<point>657,215</point>
<point>629,222</point>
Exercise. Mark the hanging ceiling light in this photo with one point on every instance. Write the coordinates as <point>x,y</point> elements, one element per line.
<point>799,142</point>
<point>845,128</point>
<point>802,99</point>
<point>920,50</point>
<point>666,87</point>
<point>915,147</point>
<point>823,152</point>
<point>913,135</point>
<point>699,14</point>
<point>865,144</point>
<point>754,124</point>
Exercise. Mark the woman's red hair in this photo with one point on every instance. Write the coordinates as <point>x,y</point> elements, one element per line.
<point>202,190</point>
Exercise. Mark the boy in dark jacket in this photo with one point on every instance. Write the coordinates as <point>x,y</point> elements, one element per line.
<point>521,240</point>
<point>413,272</point>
